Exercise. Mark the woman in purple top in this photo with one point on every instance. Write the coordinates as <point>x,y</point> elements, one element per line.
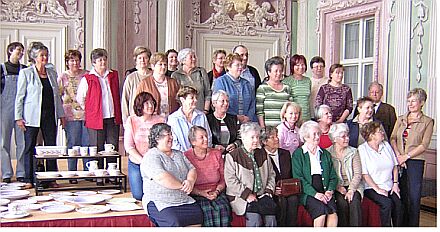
<point>336,95</point>
<point>288,129</point>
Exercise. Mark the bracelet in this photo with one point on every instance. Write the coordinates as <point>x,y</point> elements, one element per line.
<point>395,182</point>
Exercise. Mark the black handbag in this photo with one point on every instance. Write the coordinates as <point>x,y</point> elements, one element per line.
<point>264,206</point>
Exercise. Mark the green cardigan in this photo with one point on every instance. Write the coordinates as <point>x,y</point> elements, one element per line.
<point>301,170</point>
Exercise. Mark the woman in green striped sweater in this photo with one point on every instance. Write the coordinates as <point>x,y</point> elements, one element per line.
<point>272,94</point>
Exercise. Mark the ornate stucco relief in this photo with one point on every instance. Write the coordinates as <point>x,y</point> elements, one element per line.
<point>42,11</point>
<point>242,18</point>
<point>136,13</point>
<point>419,31</point>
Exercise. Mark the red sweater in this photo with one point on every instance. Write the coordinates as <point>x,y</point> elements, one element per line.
<point>93,102</point>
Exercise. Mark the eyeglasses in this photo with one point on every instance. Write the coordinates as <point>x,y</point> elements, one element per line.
<point>318,66</point>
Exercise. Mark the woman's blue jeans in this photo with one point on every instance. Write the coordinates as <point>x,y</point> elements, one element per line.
<point>135,180</point>
<point>77,135</point>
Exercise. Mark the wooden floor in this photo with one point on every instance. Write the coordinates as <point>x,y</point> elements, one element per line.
<point>427,219</point>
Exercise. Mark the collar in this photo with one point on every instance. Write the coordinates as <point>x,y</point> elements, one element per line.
<point>93,71</point>
<point>306,149</point>
<point>405,119</point>
<point>179,113</point>
<point>288,128</point>
<point>232,78</point>
<point>381,147</point>
<point>274,154</point>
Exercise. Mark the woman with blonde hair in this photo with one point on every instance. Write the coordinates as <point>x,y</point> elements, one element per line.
<point>288,129</point>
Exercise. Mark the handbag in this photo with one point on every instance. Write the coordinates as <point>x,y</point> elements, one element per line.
<point>264,206</point>
<point>289,187</point>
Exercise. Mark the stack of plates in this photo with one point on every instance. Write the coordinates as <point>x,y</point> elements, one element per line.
<point>84,193</point>
<point>57,208</point>
<point>13,194</point>
<point>122,200</point>
<point>18,214</point>
<point>4,201</point>
<point>93,209</point>
<point>83,173</point>
<point>68,174</point>
<point>47,174</point>
<point>124,207</point>
<point>109,191</point>
<point>60,194</point>
<point>41,198</point>
<point>82,200</point>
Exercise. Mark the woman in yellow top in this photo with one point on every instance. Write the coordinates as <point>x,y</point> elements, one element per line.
<point>410,138</point>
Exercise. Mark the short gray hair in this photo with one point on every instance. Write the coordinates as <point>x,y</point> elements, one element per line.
<point>336,130</point>
<point>216,95</point>
<point>156,133</point>
<point>419,93</point>
<point>305,129</point>
<point>98,53</point>
<point>264,136</point>
<point>375,83</point>
<point>192,132</point>
<point>181,56</point>
<point>34,49</point>
<point>319,111</point>
<point>248,127</point>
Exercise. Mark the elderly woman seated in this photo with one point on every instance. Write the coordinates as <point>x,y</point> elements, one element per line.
<point>281,162</point>
<point>209,188</point>
<point>186,117</point>
<point>314,167</point>
<point>223,125</point>
<point>168,178</point>
<point>323,115</point>
<point>250,179</point>
<point>380,173</point>
<point>347,164</point>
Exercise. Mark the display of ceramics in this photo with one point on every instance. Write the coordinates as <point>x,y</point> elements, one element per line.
<point>3,208</point>
<point>30,206</point>
<point>25,201</point>
<point>17,184</point>
<point>49,203</point>
<point>10,187</point>
<point>109,191</point>
<point>93,209</point>
<point>84,193</point>
<point>82,200</point>
<point>122,200</point>
<point>47,174</point>
<point>18,214</point>
<point>13,194</point>
<point>105,196</point>
<point>107,152</point>
<point>57,208</point>
<point>124,207</point>
<point>60,194</point>
<point>68,174</point>
<point>41,198</point>
<point>83,173</point>
<point>4,201</point>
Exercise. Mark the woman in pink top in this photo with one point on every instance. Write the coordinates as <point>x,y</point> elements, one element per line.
<point>289,127</point>
<point>209,188</point>
<point>137,128</point>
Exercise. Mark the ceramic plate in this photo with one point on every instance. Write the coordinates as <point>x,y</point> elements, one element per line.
<point>17,184</point>
<point>109,191</point>
<point>57,208</point>
<point>83,173</point>
<point>124,207</point>
<point>93,209</point>
<point>3,208</point>
<point>14,194</point>
<point>48,174</point>
<point>19,214</point>
<point>82,200</point>
<point>68,174</point>
<point>41,198</point>
<point>28,207</point>
<point>84,193</point>
<point>121,200</point>
<point>105,196</point>
<point>4,201</point>
<point>9,187</point>
<point>52,203</point>
<point>108,153</point>
<point>60,194</point>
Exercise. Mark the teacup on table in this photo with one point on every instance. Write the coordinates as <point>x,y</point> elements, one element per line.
<point>93,151</point>
<point>100,172</point>
<point>109,148</point>
<point>72,152</point>
<point>84,151</point>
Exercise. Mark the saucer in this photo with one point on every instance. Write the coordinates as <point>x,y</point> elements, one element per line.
<point>9,215</point>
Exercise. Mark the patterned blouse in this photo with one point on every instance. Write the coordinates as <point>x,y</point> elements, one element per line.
<point>338,98</point>
<point>68,89</point>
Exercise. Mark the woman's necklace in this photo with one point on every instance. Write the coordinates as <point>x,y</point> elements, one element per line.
<point>200,158</point>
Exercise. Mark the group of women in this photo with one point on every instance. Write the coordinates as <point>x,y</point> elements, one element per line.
<point>201,146</point>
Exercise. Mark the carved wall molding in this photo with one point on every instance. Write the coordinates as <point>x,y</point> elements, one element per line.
<point>45,11</point>
<point>242,18</point>
<point>419,31</point>
<point>136,13</point>
<point>391,15</point>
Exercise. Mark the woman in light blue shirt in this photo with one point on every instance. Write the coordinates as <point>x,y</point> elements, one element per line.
<point>186,117</point>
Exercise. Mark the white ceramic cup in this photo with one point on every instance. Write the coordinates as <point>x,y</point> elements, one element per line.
<point>84,151</point>
<point>92,165</point>
<point>72,152</point>
<point>113,172</point>
<point>109,147</point>
<point>100,172</point>
<point>77,149</point>
<point>112,166</point>
<point>93,151</point>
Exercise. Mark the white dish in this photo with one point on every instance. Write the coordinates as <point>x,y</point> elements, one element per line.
<point>57,208</point>
<point>14,194</point>
<point>68,174</point>
<point>9,187</point>
<point>48,174</point>
<point>109,191</point>
<point>100,172</point>
<point>25,201</point>
<point>29,207</point>
<point>93,209</point>
<point>82,200</point>
<point>49,203</point>
<point>124,207</point>
<point>122,200</point>
<point>60,194</point>
<point>3,208</point>
<point>19,214</point>
<point>4,201</point>
<point>3,183</point>
<point>105,196</point>
<point>108,152</point>
<point>84,173</point>
<point>41,198</point>
<point>84,193</point>
<point>17,184</point>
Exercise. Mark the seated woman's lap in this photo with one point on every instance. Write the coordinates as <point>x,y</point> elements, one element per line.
<point>176,216</point>
<point>317,208</point>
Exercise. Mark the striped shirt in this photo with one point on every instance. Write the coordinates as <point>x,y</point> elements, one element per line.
<point>270,102</point>
<point>300,91</point>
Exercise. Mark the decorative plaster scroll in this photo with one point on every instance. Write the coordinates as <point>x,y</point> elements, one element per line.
<point>391,15</point>
<point>43,11</point>
<point>419,31</point>
<point>196,10</point>
<point>136,13</point>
